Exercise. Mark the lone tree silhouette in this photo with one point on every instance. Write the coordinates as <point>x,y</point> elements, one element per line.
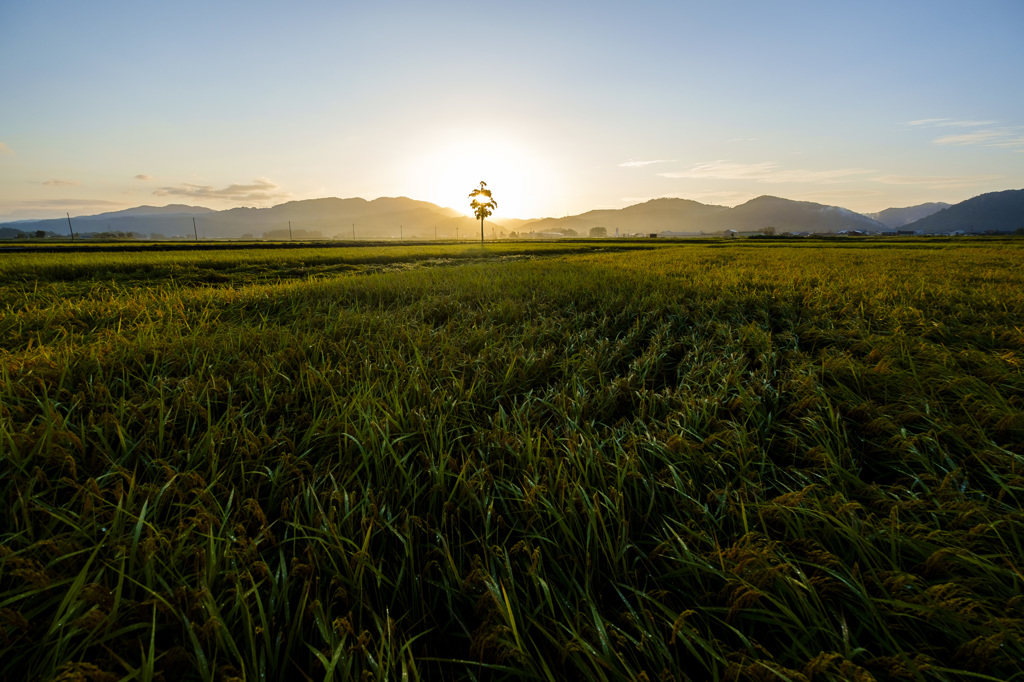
<point>483,205</point>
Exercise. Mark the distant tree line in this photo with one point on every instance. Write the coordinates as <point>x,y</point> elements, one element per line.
<point>112,234</point>
<point>15,233</point>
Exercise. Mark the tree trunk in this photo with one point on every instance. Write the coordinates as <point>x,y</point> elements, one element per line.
<point>481,233</point>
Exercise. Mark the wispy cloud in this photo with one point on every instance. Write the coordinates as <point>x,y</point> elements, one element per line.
<point>937,181</point>
<point>67,203</point>
<point>949,123</point>
<point>703,196</point>
<point>4,149</point>
<point>61,183</point>
<point>725,170</point>
<point>638,164</point>
<point>842,194</point>
<point>259,190</point>
<point>1010,142</point>
<point>40,209</point>
<point>991,134</point>
<point>726,198</point>
<point>977,137</point>
<point>765,171</point>
<point>651,197</point>
<point>143,176</point>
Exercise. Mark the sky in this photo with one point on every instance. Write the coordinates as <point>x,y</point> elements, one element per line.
<point>560,106</point>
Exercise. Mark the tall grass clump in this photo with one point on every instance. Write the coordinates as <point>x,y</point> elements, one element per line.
<point>715,460</point>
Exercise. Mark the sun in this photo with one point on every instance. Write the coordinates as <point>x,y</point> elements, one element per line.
<point>455,165</point>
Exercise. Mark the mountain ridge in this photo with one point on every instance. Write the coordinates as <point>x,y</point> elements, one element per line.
<point>993,211</point>
<point>898,217</point>
<point>402,217</point>
<point>763,213</point>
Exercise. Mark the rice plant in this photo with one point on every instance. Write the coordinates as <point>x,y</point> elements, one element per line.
<point>692,461</point>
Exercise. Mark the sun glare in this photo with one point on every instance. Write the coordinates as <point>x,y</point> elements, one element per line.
<point>448,172</point>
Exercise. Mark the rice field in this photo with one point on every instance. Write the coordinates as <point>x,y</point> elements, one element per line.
<point>590,461</point>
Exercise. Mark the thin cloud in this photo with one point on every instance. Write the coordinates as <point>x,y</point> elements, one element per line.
<point>765,171</point>
<point>1007,138</point>
<point>949,122</point>
<point>61,183</point>
<point>977,137</point>
<point>42,209</point>
<point>937,181</point>
<point>4,149</point>
<point>720,198</point>
<point>725,170</point>
<point>259,190</point>
<point>642,200</point>
<point>703,196</point>
<point>991,134</point>
<point>843,194</point>
<point>1011,142</point>
<point>143,176</point>
<point>639,164</point>
<point>816,177</point>
<point>969,124</point>
<point>67,203</point>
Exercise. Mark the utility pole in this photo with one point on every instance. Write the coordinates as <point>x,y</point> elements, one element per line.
<point>456,233</point>
<point>290,237</point>
<point>194,228</point>
<point>435,233</point>
<point>69,226</point>
<point>400,237</point>
<point>353,231</point>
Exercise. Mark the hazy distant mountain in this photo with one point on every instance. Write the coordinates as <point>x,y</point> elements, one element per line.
<point>170,219</point>
<point>510,223</point>
<point>682,215</point>
<point>656,215</point>
<point>170,209</point>
<point>394,217</point>
<point>384,218</point>
<point>998,211</point>
<point>786,215</point>
<point>898,217</point>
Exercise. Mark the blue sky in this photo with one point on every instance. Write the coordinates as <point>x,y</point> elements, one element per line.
<point>560,106</point>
